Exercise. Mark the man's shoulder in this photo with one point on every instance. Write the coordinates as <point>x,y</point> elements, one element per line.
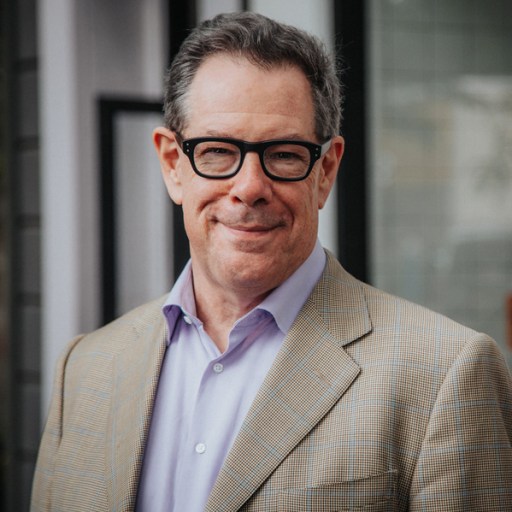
<point>399,328</point>
<point>392,314</point>
<point>142,322</point>
<point>389,309</point>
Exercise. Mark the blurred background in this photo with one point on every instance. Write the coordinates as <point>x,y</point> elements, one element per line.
<point>422,208</point>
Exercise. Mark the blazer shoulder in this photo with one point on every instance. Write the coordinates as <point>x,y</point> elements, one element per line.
<point>145,320</point>
<point>386,308</point>
<point>394,318</point>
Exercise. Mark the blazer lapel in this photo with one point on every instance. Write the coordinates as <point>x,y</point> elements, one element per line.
<point>135,378</point>
<point>310,374</point>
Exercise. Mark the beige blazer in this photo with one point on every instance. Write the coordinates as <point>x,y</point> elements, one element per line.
<point>372,404</point>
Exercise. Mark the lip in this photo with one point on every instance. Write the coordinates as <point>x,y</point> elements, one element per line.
<point>249,232</point>
<point>248,226</point>
<point>251,228</point>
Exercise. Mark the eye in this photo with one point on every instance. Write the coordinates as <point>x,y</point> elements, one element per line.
<point>216,150</point>
<point>282,155</point>
<point>213,149</point>
<point>288,153</point>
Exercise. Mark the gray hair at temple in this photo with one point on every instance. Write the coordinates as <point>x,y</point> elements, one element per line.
<point>267,44</point>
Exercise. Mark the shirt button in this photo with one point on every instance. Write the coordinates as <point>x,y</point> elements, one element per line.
<point>187,320</point>
<point>200,448</point>
<point>218,368</point>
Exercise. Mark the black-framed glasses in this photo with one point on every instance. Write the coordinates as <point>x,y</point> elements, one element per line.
<point>281,160</point>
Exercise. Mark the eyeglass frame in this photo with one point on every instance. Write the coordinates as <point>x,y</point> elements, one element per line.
<point>316,151</point>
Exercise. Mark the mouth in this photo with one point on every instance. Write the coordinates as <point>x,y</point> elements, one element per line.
<point>244,232</point>
<point>251,222</point>
<point>249,228</point>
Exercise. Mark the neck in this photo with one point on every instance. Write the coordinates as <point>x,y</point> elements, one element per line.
<point>218,309</point>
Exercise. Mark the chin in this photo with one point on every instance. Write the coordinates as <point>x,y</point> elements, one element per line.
<point>244,268</point>
<point>254,273</point>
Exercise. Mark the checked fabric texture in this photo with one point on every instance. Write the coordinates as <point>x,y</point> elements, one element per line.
<point>372,404</point>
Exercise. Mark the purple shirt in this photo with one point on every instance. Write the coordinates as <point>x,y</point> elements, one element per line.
<point>203,396</point>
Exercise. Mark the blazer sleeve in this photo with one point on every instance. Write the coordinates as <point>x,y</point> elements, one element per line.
<point>466,457</point>
<point>52,434</point>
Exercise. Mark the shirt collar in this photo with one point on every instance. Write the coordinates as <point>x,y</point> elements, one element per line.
<point>284,303</point>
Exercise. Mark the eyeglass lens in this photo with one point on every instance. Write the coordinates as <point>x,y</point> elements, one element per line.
<point>216,158</point>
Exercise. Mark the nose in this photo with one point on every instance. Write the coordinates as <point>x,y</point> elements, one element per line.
<point>251,185</point>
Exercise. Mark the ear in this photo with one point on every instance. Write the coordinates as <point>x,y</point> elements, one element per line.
<point>329,170</point>
<point>169,154</point>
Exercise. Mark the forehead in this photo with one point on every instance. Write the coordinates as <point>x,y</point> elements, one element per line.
<point>229,89</point>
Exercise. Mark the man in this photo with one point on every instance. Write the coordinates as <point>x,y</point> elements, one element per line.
<point>269,378</point>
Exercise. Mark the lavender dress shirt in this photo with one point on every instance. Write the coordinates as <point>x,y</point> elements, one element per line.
<point>203,396</point>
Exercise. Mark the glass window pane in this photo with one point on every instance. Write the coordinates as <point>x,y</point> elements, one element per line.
<point>441,173</point>
<point>143,207</point>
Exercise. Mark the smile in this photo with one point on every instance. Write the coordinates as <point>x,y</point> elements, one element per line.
<point>249,233</point>
<point>250,229</point>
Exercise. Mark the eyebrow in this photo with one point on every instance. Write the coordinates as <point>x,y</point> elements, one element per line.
<point>286,136</point>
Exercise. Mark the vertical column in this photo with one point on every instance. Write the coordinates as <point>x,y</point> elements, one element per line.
<point>20,254</point>
<point>60,187</point>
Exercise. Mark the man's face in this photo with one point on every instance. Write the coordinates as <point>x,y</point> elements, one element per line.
<point>247,233</point>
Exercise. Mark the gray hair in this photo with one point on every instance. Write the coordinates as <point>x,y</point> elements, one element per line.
<point>267,44</point>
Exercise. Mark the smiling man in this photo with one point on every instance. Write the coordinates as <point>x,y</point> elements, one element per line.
<point>248,231</point>
<point>269,379</point>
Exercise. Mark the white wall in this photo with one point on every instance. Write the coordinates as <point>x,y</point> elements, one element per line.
<point>87,49</point>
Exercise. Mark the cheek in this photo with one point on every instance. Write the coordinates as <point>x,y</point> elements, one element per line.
<point>305,220</point>
<point>307,204</point>
<point>196,194</point>
<point>191,213</point>
<point>198,198</point>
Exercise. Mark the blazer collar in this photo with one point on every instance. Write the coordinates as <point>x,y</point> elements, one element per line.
<point>310,374</point>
